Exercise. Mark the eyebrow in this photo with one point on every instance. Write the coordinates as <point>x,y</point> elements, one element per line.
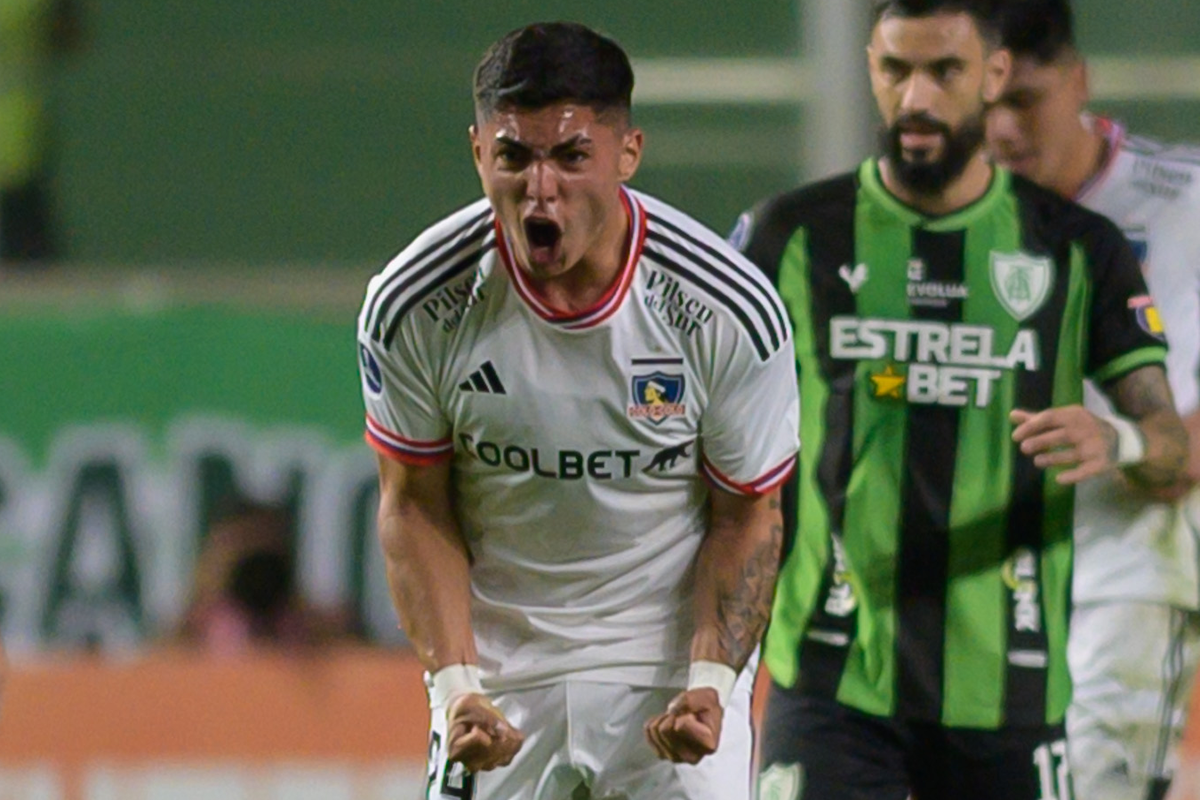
<point>890,62</point>
<point>574,142</point>
<point>948,61</point>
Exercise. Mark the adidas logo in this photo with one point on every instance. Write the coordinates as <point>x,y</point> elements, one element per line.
<point>483,380</point>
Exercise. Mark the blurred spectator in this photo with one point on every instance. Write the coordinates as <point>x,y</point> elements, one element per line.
<point>32,32</point>
<point>245,592</point>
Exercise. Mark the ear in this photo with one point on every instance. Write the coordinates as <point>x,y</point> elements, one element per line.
<point>631,153</point>
<point>476,146</point>
<point>996,71</point>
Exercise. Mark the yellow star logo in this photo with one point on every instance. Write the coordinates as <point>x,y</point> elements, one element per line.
<point>889,383</point>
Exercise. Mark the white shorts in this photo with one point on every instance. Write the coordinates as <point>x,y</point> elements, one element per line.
<point>1132,666</point>
<point>584,741</point>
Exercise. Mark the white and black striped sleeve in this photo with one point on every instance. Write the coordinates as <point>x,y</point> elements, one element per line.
<point>750,429</point>
<point>396,353</point>
<point>699,257</point>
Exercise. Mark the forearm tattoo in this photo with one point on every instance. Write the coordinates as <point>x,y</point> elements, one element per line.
<point>1141,392</point>
<point>1145,395</point>
<point>744,608</point>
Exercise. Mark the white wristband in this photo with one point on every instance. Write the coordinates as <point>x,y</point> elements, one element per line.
<point>453,681</point>
<point>714,675</point>
<point>1131,445</point>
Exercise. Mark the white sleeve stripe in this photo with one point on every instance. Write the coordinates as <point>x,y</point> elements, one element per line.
<point>759,486</point>
<point>398,442</point>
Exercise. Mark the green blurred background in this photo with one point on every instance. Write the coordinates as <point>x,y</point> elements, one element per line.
<point>328,132</point>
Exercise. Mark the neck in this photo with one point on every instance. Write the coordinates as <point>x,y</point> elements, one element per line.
<point>959,193</point>
<point>582,285</point>
<point>1086,154</point>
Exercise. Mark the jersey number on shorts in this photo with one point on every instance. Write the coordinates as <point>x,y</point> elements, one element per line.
<point>456,781</point>
<point>1053,770</point>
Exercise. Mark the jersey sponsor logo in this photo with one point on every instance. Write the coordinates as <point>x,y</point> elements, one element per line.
<point>855,338</point>
<point>1148,318</point>
<point>483,381</point>
<point>563,465</point>
<point>371,374</point>
<point>1159,180</point>
<point>666,459</point>
<point>928,384</point>
<point>841,600</point>
<point>1021,282</point>
<point>854,278</point>
<point>657,396</point>
<point>922,292</point>
<point>1020,576</point>
<point>932,363</point>
<point>674,304</point>
<point>889,383</point>
<point>781,782</point>
<point>447,305</point>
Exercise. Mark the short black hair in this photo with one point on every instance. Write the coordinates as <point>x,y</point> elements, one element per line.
<point>983,12</point>
<point>1040,29</point>
<point>549,62</point>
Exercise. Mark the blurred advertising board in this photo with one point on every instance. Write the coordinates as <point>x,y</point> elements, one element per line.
<point>344,724</point>
<point>125,428</point>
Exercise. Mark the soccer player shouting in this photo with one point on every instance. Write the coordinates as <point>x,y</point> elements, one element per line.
<point>583,403</point>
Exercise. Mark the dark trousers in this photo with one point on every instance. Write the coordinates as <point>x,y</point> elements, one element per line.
<point>833,752</point>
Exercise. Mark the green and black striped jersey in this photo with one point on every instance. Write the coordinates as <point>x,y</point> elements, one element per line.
<point>929,573</point>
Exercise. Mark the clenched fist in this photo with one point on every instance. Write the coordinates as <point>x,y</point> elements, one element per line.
<point>690,729</point>
<point>478,735</point>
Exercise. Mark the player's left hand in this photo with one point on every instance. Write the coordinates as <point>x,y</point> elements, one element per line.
<point>690,729</point>
<point>1067,436</point>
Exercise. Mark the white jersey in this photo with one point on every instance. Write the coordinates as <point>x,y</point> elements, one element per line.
<point>1127,548</point>
<point>581,442</point>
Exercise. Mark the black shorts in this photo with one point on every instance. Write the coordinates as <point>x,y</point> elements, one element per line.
<point>818,749</point>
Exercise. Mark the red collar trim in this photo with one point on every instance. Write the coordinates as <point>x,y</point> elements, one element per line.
<point>607,305</point>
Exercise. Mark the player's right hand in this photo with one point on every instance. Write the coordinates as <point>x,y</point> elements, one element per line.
<point>478,735</point>
<point>690,729</point>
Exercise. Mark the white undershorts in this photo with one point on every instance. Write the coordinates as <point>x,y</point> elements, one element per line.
<point>1131,665</point>
<point>584,741</point>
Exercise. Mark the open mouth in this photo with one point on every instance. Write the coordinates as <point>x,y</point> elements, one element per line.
<point>544,237</point>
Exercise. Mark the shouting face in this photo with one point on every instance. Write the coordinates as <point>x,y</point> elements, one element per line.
<point>553,175</point>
